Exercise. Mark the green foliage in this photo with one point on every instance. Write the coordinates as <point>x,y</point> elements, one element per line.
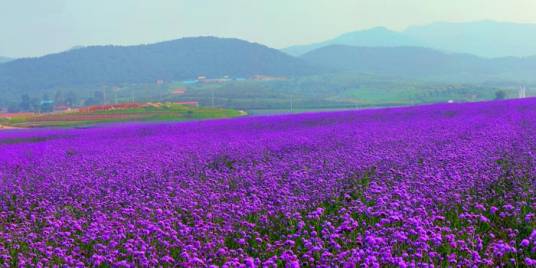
<point>500,95</point>
<point>180,59</point>
<point>340,90</point>
<point>330,91</point>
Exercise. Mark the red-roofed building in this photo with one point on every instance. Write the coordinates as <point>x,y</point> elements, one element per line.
<point>179,91</point>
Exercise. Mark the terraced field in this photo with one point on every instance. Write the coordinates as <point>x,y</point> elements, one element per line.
<point>118,113</point>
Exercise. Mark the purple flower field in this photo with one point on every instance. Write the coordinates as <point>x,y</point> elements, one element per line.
<point>440,185</point>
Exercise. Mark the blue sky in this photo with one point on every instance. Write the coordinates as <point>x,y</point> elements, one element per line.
<point>38,27</point>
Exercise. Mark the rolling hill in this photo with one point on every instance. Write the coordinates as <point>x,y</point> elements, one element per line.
<point>482,38</point>
<point>375,37</point>
<point>422,63</point>
<point>180,59</point>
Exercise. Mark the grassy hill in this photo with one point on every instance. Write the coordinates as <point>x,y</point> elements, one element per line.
<point>335,76</point>
<point>180,59</point>
<point>423,63</point>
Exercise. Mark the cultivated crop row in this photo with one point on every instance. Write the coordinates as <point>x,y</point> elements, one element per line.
<point>442,185</point>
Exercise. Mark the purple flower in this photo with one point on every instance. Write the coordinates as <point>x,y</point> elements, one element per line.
<point>374,188</point>
<point>493,210</point>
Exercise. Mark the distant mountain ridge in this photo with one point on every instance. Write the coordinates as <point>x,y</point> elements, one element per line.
<point>392,54</point>
<point>375,37</point>
<point>185,58</point>
<point>422,63</point>
<point>482,38</point>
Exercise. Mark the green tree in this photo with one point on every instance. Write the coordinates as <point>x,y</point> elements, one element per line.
<point>71,99</point>
<point>500,95</point>
<point>25,103</point>
<point>59,98</point>
<point>47,105</point>
<point>13,108</point>
<point>99,97</point>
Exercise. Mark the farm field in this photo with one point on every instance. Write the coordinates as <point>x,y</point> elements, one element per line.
<point>116,113</point>
<point>334,91</point>
<point>442,185</point>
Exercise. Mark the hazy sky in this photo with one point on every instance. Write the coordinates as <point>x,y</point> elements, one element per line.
<point>37,27</point>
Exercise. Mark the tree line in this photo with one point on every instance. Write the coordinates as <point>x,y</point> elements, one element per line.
<point>48,103</point>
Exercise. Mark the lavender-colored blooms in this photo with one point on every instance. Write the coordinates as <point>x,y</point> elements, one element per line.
<point>449,185</point>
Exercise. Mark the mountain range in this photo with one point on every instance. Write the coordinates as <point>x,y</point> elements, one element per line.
<point>483,38</point>
<point>375,37</point>
<point>424,52</point>
<point>180,59</point>
<point>422,63</point>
